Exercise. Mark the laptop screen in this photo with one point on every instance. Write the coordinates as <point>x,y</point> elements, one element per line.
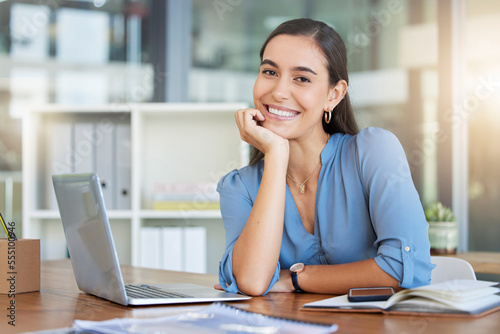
<point>88,236</point>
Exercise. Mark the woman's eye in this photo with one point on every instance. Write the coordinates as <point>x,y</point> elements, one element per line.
<point>269,72</point>
<point>303,79</point>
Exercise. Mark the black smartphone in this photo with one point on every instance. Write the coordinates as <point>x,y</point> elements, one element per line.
<point>369,294</point>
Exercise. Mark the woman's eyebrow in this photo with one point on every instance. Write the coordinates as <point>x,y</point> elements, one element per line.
<point>295,69</point>
<point>304,69</point>
<point>269,62</point>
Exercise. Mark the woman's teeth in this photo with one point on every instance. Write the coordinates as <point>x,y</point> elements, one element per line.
<point>281,112</point>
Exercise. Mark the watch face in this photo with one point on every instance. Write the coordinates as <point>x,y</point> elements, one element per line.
<point>297,267</point>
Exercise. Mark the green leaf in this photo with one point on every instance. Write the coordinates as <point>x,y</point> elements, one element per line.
<point>437,212</point>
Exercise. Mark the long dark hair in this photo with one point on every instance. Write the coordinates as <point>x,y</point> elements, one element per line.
<point>335,53</point>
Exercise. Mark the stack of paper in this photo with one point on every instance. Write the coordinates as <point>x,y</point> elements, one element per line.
<point>185,196</point>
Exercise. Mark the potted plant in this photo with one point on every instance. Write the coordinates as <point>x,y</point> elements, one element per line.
<point>443,231</point>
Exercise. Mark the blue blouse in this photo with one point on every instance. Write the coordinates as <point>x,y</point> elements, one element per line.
<point>366,207</point>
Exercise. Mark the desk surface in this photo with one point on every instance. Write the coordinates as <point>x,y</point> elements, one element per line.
<point>59,302</point>
<point>482,262</point>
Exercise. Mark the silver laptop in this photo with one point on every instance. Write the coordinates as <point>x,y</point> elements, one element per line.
<point>93,255</point>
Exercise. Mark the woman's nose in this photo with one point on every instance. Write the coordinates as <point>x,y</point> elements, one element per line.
<point>281,91</point>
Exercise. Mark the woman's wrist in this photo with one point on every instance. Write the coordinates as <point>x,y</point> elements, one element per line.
<point>284,283</point>
<point>278,156</point>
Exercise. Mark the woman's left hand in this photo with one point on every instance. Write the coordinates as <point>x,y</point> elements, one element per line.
<point>284,283</point>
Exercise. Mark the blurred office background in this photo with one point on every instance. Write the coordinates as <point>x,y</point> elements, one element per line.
<point>427,70</point>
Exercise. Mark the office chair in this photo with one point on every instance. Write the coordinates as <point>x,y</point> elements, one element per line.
<point>448,268</point>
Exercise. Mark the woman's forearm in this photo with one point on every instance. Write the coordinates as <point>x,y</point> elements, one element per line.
<point>257,249</point>
<point>339,278</point>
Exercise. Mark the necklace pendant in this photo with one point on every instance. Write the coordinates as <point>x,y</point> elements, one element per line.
<point>302,188</point>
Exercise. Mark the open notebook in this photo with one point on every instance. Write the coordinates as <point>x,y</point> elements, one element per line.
<point>93,255</point>
<point>456,297</point>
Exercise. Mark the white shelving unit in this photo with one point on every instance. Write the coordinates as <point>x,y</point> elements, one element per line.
<point>179,142</point>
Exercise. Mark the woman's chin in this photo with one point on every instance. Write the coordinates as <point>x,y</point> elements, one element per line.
<point>281,131</point>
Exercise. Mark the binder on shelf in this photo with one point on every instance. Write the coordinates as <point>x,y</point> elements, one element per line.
<point>83,147</point>
<point>123,171</point>
<point>59,157</point>
<point>195,249</point>
<point>151,247</point>
<point>104,164</point>
<point>172,248</point>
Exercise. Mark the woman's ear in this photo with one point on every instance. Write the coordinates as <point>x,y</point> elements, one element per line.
<point>336,93</point>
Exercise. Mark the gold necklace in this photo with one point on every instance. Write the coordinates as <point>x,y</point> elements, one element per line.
<point>302,186</point>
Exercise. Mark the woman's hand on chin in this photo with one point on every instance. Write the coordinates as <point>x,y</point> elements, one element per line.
<point>254,134</point>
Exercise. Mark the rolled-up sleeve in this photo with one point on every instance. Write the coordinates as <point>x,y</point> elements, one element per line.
<point>236,202</point>
<point>403,248</point>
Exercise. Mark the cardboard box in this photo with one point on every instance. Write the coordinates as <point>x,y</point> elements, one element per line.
<point>19,266</point>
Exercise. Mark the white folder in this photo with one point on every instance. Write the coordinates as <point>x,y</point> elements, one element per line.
<point>59,156</point>
<point>123,172</point>
<point>151,247</point>
<point>172,248</point>
<point>104,162</point>
<point>195,249</point>
<point>83,147</point>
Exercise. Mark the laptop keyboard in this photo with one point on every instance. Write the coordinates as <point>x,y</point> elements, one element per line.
<point>148,291</point>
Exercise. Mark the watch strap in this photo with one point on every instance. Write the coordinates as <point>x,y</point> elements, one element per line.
<point>295,282</point>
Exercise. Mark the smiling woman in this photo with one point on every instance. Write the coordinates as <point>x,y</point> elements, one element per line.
<point>345,224</point>
<point>327,49</point>
<point>293,80</point>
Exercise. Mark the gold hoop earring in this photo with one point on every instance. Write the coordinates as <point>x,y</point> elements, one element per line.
<point>328,116</point>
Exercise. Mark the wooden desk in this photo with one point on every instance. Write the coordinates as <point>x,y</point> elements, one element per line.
<point>482,262</point>
<point>59,302</point>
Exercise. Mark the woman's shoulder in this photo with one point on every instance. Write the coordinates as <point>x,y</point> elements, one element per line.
<point>371,147</point>
<point>376,134</point>
<point>379,151</point>
<point>373,139</point>
<point>246,179</point>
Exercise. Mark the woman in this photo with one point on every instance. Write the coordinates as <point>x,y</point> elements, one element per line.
<point>337,202</point>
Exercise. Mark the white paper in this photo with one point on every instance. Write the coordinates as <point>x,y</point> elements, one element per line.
<point>216,318</point>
